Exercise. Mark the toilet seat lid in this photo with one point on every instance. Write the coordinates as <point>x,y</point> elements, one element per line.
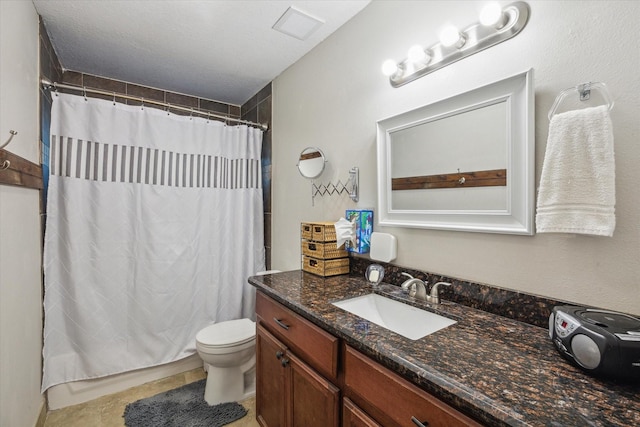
<point>224,334</point>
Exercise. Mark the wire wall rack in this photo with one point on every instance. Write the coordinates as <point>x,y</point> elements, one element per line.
<point>329,189</point>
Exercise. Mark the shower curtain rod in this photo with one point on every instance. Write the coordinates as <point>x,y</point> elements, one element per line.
<point>47,84</point>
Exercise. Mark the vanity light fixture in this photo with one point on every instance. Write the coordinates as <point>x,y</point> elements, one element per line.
<point>496,25</point>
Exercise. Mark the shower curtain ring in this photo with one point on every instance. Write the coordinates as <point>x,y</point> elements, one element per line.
<point>142,105</point>
<point>114,99</point>
<point>167,109</point>
<point>55,88</point>
<point>84,92</point>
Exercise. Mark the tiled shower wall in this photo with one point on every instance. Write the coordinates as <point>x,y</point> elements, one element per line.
<point>257,109</point>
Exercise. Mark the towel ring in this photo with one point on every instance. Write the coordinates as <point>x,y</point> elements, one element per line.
<point>584,90</point>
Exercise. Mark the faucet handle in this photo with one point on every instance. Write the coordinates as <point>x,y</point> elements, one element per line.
<point>405,285</point>
<point>434,288</point>
<point>434,294</point>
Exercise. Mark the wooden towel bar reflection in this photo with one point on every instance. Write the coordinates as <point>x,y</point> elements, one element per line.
<point>312,155</point>
<point>19,171</point>
<point>487,178</point>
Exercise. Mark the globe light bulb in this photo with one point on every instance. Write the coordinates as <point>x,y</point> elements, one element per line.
<point>389,67</point>
<point>450,36</point>
<point>491,15</point>
<point>416,54</point>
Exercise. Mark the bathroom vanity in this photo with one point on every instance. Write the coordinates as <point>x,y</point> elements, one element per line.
<point>298,365</point>
<point>319,365</point>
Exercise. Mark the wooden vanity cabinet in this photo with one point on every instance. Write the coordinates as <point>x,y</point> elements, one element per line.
<point>297,369</point>
<point>393,401</point>
<point>290,353</point>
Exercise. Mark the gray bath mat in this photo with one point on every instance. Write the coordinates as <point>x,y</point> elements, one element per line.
<point>181,407</point>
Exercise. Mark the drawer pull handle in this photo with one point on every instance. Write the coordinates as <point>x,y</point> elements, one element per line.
<point>282,325</point>
<point>418,423</point>
<point>279,355</point>
<point>284,362</point>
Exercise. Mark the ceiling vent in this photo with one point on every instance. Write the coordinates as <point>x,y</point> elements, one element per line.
<point>298,24</point>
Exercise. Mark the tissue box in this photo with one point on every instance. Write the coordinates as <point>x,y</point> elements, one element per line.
<point>363,229</point>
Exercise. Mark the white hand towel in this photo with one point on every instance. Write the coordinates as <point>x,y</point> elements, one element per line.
<point>577,186</point>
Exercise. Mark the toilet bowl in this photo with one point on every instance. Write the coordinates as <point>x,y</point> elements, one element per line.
<point>228,351</point>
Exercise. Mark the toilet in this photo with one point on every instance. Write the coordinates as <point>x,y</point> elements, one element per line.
<point>228,350</point>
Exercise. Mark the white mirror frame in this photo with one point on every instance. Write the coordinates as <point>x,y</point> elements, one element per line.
<point>518,216</point>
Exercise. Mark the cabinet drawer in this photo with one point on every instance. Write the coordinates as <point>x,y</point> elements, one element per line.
<point>325,267</point>
<point>352,416</point>
<point>392,400</point>
<point>324,232</point>
<point>317,347</point>
<point>322,250</point>
<point>306,230</point>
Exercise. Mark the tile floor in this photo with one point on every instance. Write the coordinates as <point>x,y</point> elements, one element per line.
<point>107,411</point>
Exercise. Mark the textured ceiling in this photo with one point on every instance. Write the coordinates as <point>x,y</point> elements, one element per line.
<point>224,50</point>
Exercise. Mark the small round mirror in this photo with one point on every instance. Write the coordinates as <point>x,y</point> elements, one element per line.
<point>311,162</point>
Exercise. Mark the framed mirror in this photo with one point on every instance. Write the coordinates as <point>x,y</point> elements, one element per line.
<point>463,163</point>
<point>311,162</point>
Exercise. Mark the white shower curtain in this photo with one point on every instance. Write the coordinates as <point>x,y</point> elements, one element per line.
<point>154,223</point>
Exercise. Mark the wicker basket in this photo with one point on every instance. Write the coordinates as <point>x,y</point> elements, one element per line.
<point>325,268</point>
<point>323,232</point>
<point>321,250</point>
<point>306,230</point>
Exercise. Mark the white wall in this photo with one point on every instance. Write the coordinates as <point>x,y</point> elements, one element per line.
<point>20,255</point>
<point>333,97</point>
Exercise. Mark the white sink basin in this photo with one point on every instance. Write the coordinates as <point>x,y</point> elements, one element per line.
<point>403,319</point>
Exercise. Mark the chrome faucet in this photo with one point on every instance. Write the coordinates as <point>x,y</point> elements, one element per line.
<point>418,289</point>
<point>406,285</point>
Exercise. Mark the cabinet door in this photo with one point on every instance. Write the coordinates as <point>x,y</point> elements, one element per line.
<point>271,380</point>
<point>314,400</point>
<point>352,416</point>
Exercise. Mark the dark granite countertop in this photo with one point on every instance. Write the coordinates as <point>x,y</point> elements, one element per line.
<point>497,370</point>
